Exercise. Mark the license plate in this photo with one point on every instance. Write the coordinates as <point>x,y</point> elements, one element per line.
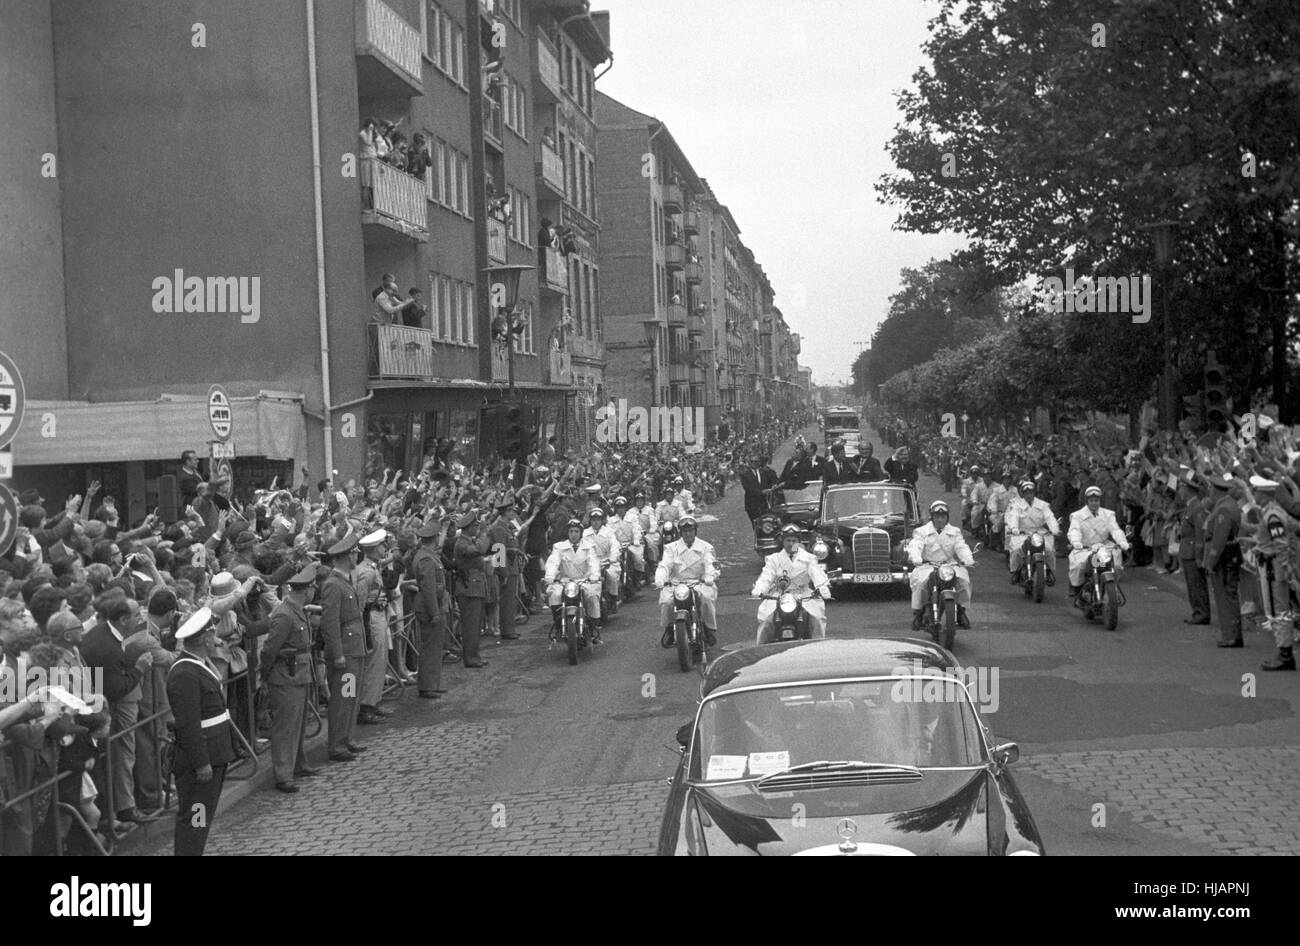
<point>870,578</point>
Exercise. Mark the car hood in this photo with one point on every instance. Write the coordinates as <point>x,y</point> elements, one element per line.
<point>945,813</point>
<point>845,528</point>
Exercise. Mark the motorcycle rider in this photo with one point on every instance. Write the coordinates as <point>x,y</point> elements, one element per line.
<point>1273,540</point>
<point>805,574</point>
<point>627,530</point>
<point>1027,514</point>
<point>643,514</point>
<point>1089,526</point>
<point>604,543</point>
<point>933,544</point>
<point>574,560</point>
<point>667,508</point>
<point>682,496</point>
<point>688,559</point>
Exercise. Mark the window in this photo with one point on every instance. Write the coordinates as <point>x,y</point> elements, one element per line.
<point>437,20</point>
<point>595,295</point>
<point>591,188</point>
<point>448,175</point>
<point>572,171</point>
<point>451,292</point>
<point>511,10</point>
<point>581,199</point>
<point>435,308</point>
<point>523,342</point>
<point>467,312</point>
<point>463,194</point>
<point>521,215</point>
<point>587,300</point>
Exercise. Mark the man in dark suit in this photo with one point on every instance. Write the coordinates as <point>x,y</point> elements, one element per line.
<point>869,470</point>
<point>471,585</point>
<point>1223,560</point>
<point>900,467</point>
<point>103,649</point>
<point>1191,549</point>
<point>755,479</point>
<point>838,469</point>
<point>205,737</point>
<point>342,630</point>
<point>430,612</point>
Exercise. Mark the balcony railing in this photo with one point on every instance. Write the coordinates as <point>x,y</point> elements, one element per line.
<point>548,70</point>
<point>496,236</point>
<point>582,347</point>
<point>396,200</point>
<point>555,271</point>
<point>674,256</point>
<point>492,121</point>
<point>694,272</point>
<point>551,170</point>
<point>386,38</point>
<point>677,373</point>
<point>673,198</point>
<point>676,313</point>
<point>560,368</point>
<point>691,221</point>
<point>398,353</point>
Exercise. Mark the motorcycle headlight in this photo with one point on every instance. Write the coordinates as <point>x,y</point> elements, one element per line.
<point>946,572</point>
<point>682,593</point>
<point>571,589</point>
<point>821,550</point>
<point>787,603</point>
<point>768,527</point>
<point>1036,540</point>
<point>1103,556</point>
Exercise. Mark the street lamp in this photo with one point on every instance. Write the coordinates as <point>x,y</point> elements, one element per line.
<point>1162,244</point>
<point>503,293</point>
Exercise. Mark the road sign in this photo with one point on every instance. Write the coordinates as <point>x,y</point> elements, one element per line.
<point>8,518</point>
<point>219,414</point>
<point>222,451</point>
<point>13,399</point>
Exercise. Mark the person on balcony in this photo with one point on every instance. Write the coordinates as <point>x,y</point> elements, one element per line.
<point>389,305</point>
<point>414,316</point>
<point>369,154</point>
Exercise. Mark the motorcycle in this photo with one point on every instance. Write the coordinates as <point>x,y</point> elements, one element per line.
<point>1034,573</point>
<point>790,621</point>
<point>687,631</point>
<point>575,627</point>
<point>670,534</point>
<point>1101,596</point>
<point>939,615</point>
<point>609,602</point>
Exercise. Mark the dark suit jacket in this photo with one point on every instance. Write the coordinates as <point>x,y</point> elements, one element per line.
<point>836,472</point>
<point>755,501</point>
<point>100,649</point>
<point>195,695</point>
<point>869,470</point>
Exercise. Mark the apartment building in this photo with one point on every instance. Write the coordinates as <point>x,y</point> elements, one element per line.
<point>198,207</point>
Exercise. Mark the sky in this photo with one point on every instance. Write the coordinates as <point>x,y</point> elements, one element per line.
<point>786,108</point>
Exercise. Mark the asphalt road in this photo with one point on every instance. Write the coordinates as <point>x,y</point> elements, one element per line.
<point>1146,740</point>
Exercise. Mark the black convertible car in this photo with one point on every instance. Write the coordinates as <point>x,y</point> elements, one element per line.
<point>843,747</point>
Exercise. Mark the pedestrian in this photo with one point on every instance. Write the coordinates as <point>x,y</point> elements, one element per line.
<point>430,612</point>
<point>374,604</point>
<point>503,533</point>
<point>471,586</point>
<point>286,671</point>
<point>205,736</point>
<point>1191,548</point>
<point>343,631</point>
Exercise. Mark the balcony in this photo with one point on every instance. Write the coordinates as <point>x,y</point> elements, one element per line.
<point>678,374</point>
<point>398,353</point>
<point>397,204</point>
<point>555,271</point>
<point>559,369</point>
<point>388,52</point>
<point>547,87</point>
<point>694,272</point>
<point>697,374</point>
<point>676,313</point>
<point>672,201</point>
<point>550,171</point>
<point>691,222</point>
<point>492,124</point>
<point>496,236</point>
<point>674,256</point>
<point>588,349</point>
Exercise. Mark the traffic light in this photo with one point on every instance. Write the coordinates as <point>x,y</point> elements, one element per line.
<point>1216,393</point>
<point>514,432</point>
<point>1194,409</point>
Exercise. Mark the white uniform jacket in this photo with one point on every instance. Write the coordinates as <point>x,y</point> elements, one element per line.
<point>1087,530</point>
<point>680,563</point>
<point>567,563</point>
<point>1022,517</point>
<point>930,547</point>
<point>604,542</point>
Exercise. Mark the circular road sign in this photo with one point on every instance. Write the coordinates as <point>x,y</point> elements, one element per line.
<point>8,518</point>
<point>219,413</point>
<point>13,399</point>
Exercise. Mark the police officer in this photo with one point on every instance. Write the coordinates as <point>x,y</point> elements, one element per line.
<point>502,533</point>
<point>374,612</point>
<point>1223,560</point>
<point>471,585</point>
<point>1273,561</point>
<point>1191,548</point>
<point>205,736</point>
<point>342,630</point>
<point>286,670</point>
<point>430,610</point>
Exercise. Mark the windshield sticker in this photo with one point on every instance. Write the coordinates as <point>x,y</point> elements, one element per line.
<point>765,763</point>
<point>726,766</point>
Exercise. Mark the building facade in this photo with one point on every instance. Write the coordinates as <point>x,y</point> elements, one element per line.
<point>242,246</point>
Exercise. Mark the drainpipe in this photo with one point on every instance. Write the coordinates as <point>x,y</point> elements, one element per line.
<point>327,424</point>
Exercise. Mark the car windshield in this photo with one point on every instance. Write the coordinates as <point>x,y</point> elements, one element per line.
<point>809,494</point>
<point>922,721</point>
<point>842,421</point>
<point>867,501</point>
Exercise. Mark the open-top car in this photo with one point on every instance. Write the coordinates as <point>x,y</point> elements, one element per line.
<point>799,506</point>
<point>862,530</point>
<point>843,747</point>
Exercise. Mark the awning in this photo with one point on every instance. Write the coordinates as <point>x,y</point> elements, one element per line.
<point>120,431</point>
